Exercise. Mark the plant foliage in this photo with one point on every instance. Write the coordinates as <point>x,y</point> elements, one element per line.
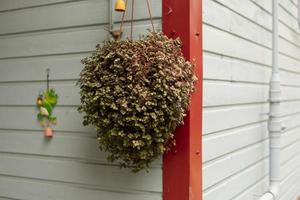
<point>136,93</point>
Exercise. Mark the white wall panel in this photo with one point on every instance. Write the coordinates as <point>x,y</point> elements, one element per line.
<point>57,34</point>
<point>237,67</point>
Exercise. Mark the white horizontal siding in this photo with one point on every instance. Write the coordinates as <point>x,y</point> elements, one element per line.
<point>237,67</point>
<point>57,34</point>
<point>9,5</point>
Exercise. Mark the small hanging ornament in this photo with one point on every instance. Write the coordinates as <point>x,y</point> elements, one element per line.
<point>120,6</point>
<point>46,102</point>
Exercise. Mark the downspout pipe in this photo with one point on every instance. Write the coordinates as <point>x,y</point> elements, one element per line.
<point>274,123</point>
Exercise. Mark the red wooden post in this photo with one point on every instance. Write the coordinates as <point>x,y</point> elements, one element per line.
<point>182,170</point>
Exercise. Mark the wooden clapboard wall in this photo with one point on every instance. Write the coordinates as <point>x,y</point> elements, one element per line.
<point>57,34</point>
<point>237,66</point>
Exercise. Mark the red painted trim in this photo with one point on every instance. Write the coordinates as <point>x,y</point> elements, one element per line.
<point>182,166</point>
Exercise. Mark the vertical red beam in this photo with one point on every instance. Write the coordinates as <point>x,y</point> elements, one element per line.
<point>182,166</point>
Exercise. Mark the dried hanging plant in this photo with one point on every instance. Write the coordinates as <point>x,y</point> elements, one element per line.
<point>136,93</point>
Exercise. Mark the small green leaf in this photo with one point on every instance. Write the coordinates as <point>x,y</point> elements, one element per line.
<point>51,97</point>
<point>47,106</point>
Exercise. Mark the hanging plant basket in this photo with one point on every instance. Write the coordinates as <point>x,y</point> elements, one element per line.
<point>136,93</point>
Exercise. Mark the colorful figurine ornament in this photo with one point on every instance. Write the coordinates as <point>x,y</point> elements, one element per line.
<point>46,101</point>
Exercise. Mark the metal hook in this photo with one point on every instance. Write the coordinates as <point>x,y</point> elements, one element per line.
<point>170,10</point>
<point>48,72</point>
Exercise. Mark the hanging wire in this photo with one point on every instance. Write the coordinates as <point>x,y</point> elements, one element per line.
<point>132,12</point>
<point>150,14</point>
<point>48,71</point>
<point>123,17</point>
<point>132,17</point>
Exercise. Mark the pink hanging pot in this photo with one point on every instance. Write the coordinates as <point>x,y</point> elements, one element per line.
<point>48,132</point>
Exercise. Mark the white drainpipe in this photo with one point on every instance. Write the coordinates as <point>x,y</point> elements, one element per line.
<point>275,126</point>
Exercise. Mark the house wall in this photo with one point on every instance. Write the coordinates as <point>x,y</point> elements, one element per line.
<point>57,34</point>
<point>237,66</point>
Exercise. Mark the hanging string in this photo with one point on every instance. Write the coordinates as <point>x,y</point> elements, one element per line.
<point>132,12</point>
<point>123,17</point>
<point>150,14</point>
<point>48,71</point>
<point>132,16</point>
